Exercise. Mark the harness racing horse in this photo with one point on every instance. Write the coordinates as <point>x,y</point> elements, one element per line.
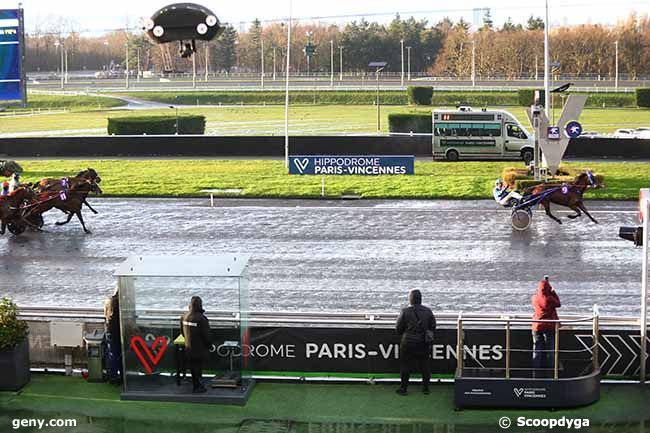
<point>568,195</point>
<point>88,175</point>
<point>69,201</point>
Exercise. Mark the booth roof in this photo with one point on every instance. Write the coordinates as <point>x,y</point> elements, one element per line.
<point>221,265</point>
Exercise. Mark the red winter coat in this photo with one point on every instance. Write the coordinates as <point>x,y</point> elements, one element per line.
<point>545,302</point>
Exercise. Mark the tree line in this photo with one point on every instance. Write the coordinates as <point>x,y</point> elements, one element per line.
<point>445,49</point>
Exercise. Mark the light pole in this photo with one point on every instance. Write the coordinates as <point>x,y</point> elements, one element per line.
<point>331,63</point>
<point>193,70</point>
<point>207,61</point>
<point>126,70</point>
<point>547,82</point>
<point>401,42</point>
<point>58,44</point>
<point>379,67</point>
<point>616,66</point>
<point>262,63</point>
<point>138,77</point>
<point>286,93</point>
<point>65,51</point>
<point>473,63</point>
<point>408,56</point>
<point>341,59</point>
<point>274,50</point>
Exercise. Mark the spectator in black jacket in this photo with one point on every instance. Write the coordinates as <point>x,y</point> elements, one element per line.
<point>113,338</point>
<point>412,325</point>
<point>196,331</point>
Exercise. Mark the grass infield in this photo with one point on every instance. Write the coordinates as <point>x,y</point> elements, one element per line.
<point>269,178</point>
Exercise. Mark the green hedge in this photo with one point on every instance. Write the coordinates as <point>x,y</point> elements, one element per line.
<point>410,122</point>
<point>419,95</point>
<point>156,125</point>
<point>527,96</point>
<point>643,98</point>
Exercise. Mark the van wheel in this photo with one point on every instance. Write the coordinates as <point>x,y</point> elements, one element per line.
<point>527,156</point>
<point>452,155</point>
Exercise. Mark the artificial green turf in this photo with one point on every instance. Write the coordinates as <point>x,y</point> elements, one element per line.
<point>269,178</point>
<point>304,119</point>
<point>307,403</point>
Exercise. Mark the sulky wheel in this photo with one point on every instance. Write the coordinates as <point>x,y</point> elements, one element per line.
<point>16,227</point>
<point>521,219</point>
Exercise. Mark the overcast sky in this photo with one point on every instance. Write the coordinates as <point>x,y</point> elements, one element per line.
<point>97,16</point>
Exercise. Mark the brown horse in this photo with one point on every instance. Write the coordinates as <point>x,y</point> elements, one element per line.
<point>68,201</point>
<point>56,185</point>
<point>568,195</point>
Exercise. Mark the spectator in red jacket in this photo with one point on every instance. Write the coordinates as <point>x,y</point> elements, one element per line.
<point>545,303</point>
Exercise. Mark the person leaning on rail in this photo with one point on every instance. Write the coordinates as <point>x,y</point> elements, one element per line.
<point>195,329</point>
<point>545,302</point>
<point>415,324</point>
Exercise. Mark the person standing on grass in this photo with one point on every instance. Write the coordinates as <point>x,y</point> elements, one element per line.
<point>413,324</point>
<point>545,303</point>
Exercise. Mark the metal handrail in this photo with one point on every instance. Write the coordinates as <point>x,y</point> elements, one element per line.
<point>594,319</point>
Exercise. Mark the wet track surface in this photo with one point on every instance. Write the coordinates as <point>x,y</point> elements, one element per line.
<point>340,255</point>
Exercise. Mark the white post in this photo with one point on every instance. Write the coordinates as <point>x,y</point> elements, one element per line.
<point>262,77</point>
<point>138,76</point>
<point>547,83</point>
<point>341,59</point>
<point>286,96</point>
<point>126,71</point>
<point>408,50</point>
<point>62,72</point>
<point>207,61</point>
<point>274,50</point>
<point>331,63</point>
<point>644,288</point>
<point>66,65</point>
<point>473,63</point>
<point>402,51</point>
<point>194,70</point>
<point>616,66</point>
<point>536,69</point>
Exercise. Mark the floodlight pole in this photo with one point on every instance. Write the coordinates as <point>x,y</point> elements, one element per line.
<point>65,50</point>
<point>547,84</point>
<point>378,106</point>
<point>341,60</point>
<point>126,70</point>
<point>645,205</point>
<point>402,51</point>
<point>331,63</point>
<point>207,61</point>
<point>616,66</point>
<point>262,63</point>
<point>408,51</point>
<point>193,70</point>
<point>274,50</point>
<point>286,96</point>
<point>138,76</point>
<point>473,63</point>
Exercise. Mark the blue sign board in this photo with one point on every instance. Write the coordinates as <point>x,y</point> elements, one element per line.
<point>553,133</point>
<point>355,165</point>
<point>573,129</point>
<point>10,56</point>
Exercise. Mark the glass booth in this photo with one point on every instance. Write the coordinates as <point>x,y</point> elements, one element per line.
<point>154,292</point>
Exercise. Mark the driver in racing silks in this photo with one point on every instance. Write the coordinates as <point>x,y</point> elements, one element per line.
<point>502,196</point>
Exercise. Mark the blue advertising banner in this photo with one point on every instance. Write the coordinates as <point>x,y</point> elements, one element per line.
<point>10,66</point>
<point>354,165</point>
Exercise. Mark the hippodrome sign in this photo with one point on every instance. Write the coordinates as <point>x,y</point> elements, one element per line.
<point>366,165</point>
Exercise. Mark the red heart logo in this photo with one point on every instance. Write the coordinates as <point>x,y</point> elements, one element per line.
<point>138,343</point>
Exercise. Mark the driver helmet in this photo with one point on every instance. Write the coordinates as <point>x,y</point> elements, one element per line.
<point>499,183</point>
<point>5,185</point>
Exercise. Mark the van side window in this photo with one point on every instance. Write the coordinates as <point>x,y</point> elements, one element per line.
<point>515,131</point>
